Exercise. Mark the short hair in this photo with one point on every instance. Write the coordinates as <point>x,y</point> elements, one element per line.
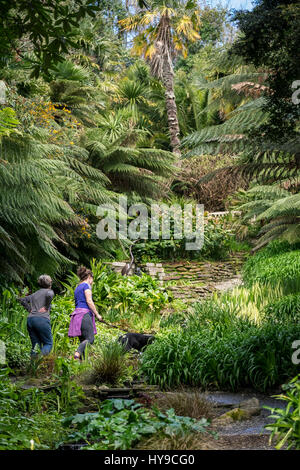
<point>83,273</point>
<point>45,281</point>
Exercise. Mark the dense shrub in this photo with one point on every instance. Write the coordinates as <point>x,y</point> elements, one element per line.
<point>277,264</point>
<point>30,418</point>
<point>120,424</point>
<point>119,296</point>
<point>109,365</point>
<point>285,309</point>
<point>218,349</point>
<point>286,428</point>
<point>214,192</point>
<point>218,242</point>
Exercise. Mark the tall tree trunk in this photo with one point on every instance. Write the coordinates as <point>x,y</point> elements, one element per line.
<point>171,108</point>
<point>162,68</point>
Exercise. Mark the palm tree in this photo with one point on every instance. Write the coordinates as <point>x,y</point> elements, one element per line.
<point>164,29</point>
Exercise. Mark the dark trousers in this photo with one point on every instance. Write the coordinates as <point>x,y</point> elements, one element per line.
<point>39,330</point>
<point>87,334</point>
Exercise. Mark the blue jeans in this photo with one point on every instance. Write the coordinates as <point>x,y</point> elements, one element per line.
<point>39,330</point>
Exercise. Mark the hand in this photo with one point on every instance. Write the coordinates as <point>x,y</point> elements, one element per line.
<point>99,317</point>
<point>43,310</point>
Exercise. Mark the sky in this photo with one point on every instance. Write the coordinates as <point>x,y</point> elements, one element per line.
<point>238,4</point>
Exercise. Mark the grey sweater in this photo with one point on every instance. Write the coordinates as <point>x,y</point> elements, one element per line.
<point>34,302</point>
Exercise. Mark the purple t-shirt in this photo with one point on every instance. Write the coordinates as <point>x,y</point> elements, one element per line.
<point>80,300</point>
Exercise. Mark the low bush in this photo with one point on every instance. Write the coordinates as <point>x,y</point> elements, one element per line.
<point>219,349</point>
<point>109,364</point>
<point>185,403</point>
<point>120,424</point>
<point>286,428</point>
<point>277,264</point>
<point>218,243</point>
<point>285,309</point>
<point>29,419</point>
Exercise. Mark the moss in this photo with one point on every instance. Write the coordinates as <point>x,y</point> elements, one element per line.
<point>237,414</point>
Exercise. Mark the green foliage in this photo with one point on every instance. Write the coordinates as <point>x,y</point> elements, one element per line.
<point>31,176</point>
<point>123,297</point>
<point>284,309</point>
<point>269,39</point>
<point>28,418</point>
<point>49,26</point>
<point>285,431</point>
<point>120,424</point>
<point>217,348</point>
<point>275,266</point>
<point>276,208</point>
<point>109,364</point>
<point>217,245</point>
<point>13,330</point>
<point>129,166</point>
<point>8,121</point>
<point>69,394</point>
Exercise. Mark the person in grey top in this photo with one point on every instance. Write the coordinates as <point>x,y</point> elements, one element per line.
<point>38,322</point>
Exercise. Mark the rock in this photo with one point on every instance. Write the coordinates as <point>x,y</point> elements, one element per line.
<point>237,414</point>
<point>223,420</point>
<point>251,406</point>
<point>246,410</point>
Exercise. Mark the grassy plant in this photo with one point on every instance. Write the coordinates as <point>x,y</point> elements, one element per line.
<point>285,431</point>
<point>284,309</point>
<point>248,302</point>
<point>276,264</point>
<point>221,350</point>
<point>191,441</point>
<point>185,403</point>
<point>109,365</point>
<point>70,393</point>
<point>26,416</point>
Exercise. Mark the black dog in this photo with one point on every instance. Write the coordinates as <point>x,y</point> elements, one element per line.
<point>135,341</point>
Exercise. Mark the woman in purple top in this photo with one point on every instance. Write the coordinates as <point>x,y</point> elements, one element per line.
<point>83,318</point>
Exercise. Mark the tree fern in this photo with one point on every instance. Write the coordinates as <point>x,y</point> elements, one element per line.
<point>277,209</point>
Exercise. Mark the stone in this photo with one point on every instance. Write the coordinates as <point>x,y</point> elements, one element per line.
<point>251,406</point>
<point>223,420</point>
<point>236,414</point>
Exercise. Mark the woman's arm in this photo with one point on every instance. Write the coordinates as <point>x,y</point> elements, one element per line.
<point>25,302</point>
<point>49,298</point>
<point>89,301</point>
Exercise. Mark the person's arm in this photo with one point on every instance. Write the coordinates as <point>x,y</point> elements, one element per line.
<point>89,301</point>
<point>25,302</point>
<point>49,298</point>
